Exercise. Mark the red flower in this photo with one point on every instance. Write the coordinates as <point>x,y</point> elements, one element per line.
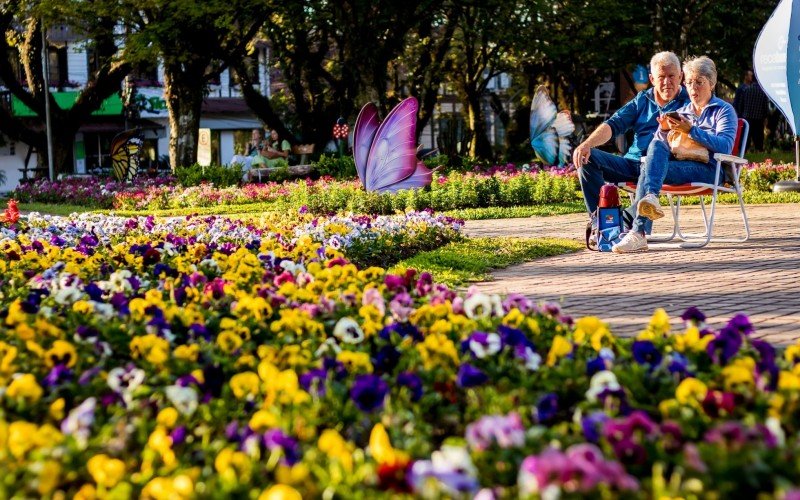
<point>11,214</point>
<point>393,476</point>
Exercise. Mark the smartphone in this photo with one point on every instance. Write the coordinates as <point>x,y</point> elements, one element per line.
<point>673,114</point>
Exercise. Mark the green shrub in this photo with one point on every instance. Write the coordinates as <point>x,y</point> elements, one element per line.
<point>762,178</point>
<point>219,176</point>
<point>338,167</point>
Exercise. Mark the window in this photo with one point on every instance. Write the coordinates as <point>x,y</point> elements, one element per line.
<point>57,64</point>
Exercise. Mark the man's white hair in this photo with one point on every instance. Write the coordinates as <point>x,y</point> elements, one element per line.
<point>663,59</point>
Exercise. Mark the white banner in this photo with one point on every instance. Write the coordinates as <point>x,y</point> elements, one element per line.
<point>776,60</point>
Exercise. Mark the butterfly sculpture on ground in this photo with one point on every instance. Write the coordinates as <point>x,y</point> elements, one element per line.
<point>550,129</point>
<point>125,149</point>
<point>385,152</point>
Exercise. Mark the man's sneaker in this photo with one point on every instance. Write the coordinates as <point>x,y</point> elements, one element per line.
<point>634,241</point>
<point>650,207</point>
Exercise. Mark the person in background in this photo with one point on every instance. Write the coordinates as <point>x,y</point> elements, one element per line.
<point>709,121</point>
<point>595,166</point>
<point>256,143</point>
<point>752,104</point>
<point>275,149</point>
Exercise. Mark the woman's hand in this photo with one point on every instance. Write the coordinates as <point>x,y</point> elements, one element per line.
<point>681,124</point>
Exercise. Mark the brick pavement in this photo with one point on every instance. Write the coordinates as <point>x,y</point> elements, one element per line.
<point>760,277</point>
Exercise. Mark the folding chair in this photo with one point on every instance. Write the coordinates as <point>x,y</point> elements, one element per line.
<point>726,181</point>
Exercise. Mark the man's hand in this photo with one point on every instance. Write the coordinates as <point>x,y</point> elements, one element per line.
<point>580,156</point>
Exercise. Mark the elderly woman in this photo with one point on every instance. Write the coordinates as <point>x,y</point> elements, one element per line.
<point>709,121</point>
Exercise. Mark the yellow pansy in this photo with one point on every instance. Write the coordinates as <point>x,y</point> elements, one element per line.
<point>586,327</point>
<point>56,410</point>
<point>263,420</point>
<point>280,492</point>
<point>335,446</point>
<point>436,350</point>
<point>49,477</point>
<point>355,362</point>
<point>150,347</point>
<point>229,341</point>
<point>21,438</point>
<point>165,488</point>
<point>188,352</point>
<point>233,466</point>
<point>691,391</point>
<point>788,381</point>
<point>61,353</point>
<point>245,385</point>
<point>380,447</point>
<point>167,417</point>
<point>25,387</point>
<point>560,348</point>
<point>82,307</point>
<point>739,372</point>
<point>292,475</point>
<point>8,353</point>
<point>691,340</point>
<point>106,471</point>
<point>659,323</point>
<point>792,353</point>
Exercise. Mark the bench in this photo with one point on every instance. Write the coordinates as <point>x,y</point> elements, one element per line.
<point>262,174</point>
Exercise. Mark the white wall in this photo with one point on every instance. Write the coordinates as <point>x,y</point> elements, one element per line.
<point>10,164</point>
<point>77,64</point>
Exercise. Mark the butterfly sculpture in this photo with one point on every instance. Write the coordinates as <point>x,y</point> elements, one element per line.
<point>125,149</point>
<point>385,152</point>
<point>550,129</point>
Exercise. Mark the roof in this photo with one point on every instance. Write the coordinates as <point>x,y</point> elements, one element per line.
<point>225,105</point>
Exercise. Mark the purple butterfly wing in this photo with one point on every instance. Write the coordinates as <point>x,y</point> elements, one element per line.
<point>421,177</point>
<point>366,126</point>
<point>392,157</point>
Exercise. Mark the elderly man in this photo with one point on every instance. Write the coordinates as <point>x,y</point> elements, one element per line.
<point>595,166</point>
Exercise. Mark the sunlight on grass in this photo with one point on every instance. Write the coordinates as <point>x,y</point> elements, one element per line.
<point>473,259</point>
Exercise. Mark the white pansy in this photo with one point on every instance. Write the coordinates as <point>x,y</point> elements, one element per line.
<point>183,398</point>
<point>348,331</point>
<point>601,381</point>
<point>478,306</point>
<point>492,346</point>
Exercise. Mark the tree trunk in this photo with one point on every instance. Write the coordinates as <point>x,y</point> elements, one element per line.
<point>184,102</point>
<point>479,147</point>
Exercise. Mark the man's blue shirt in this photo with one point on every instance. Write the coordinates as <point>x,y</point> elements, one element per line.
<point>640,115</point>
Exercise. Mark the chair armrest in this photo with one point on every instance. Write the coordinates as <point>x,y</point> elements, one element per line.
<point>738,160</point>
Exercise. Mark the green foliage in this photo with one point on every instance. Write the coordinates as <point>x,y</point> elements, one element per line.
<point>518,211</point>
<point>390,248</point>
<point>762,179</point>
<point>214,174</point>
<point>473,259</point>
<point>338,167</point>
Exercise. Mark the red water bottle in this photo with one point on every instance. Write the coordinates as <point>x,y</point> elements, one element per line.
<point>609,196</point>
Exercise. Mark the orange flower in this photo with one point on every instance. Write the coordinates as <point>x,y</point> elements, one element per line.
<point>11,214</point>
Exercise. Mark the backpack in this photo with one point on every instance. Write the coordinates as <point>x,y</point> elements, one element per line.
<point>605,228</point>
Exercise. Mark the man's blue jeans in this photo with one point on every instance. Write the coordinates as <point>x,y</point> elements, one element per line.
<point>658,170</point>
<point>606,167</point>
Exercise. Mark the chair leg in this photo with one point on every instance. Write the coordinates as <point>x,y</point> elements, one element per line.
<point>709,223</point>
<point>675,209</point>
<point>744,218</point>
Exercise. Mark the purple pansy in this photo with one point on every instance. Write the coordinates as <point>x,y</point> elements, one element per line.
<point>368,392</point>
<point>470,376</point>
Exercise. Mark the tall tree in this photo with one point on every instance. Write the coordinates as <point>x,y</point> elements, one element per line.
<point>485,34</point>
<point>330,55</point>
<point>191,39</point>
<point>22,25</point>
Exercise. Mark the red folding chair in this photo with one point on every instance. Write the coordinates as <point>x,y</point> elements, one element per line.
<point>729,169</point>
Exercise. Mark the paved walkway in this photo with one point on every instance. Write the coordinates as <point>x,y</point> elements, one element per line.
<point>760,277</point>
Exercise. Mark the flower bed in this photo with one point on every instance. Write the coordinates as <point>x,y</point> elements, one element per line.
<point>205,357</point>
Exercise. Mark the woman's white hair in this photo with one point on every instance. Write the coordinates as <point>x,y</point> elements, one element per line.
<point>701,66</point>
<point>663,59</point>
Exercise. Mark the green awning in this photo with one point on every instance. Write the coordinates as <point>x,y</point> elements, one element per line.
<point>112,106</point>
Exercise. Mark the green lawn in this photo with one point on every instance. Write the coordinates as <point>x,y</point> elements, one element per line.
<point>473,259</point>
